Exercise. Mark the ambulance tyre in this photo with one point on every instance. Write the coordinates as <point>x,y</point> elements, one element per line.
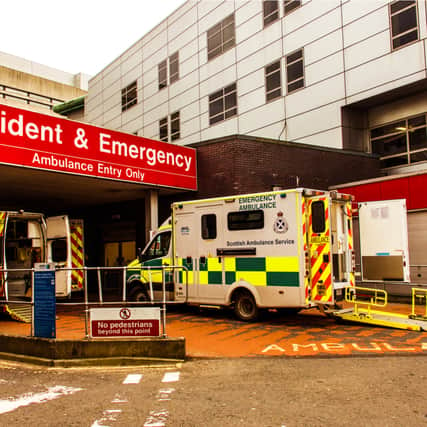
<point>138,293</point>
<point>245,307</point>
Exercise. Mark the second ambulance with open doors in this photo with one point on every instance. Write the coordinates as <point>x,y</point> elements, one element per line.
<point>282,249</point>
<point>28,238</point>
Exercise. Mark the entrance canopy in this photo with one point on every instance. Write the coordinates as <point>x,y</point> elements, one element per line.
<point>48,157</point>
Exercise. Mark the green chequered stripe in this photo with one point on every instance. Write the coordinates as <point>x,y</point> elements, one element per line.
<point>258,271</point>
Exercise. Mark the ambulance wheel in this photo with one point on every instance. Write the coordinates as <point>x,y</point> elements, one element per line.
<point>245,307</point>
<point>138,294</point>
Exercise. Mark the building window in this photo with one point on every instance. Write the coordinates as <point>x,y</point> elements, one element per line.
<point>173,71</point>
<point>290,5</point>
<point>175,126</point>
<point>271,12</point>
<point>173,68</point>
<point>163,129</point>
<point>273,81</point>
<point>404,22</point>
<point>129,96</point>
<point>295,70</point>
<point>163,74</point>
<point>221,37</point>
<point>223,104</point>
<point>401,143</point>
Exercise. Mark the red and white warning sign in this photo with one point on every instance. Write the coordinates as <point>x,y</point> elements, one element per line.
<point>125,322</point>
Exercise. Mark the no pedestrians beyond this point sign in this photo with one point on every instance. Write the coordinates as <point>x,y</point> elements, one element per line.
<point>124,322</point>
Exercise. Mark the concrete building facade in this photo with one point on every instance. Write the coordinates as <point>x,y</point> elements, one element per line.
<point>340,74</point>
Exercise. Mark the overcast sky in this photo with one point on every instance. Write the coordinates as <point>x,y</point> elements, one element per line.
<point>77,35</point>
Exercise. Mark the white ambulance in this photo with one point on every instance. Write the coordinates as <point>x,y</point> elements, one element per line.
<point>282,249</point>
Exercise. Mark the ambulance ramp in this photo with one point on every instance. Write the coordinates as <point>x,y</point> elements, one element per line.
<point>415,321</point>
<point>20,312</point>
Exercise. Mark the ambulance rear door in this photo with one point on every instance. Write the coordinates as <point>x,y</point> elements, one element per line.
<point>59,252</point>
<point>319,249</point>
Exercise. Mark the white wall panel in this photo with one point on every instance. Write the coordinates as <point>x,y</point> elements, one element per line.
<point>190,111</point>
<point>356,9</point>
<point>227,127</point>
<point>113,122</point>
<point>218,81</point>
<point>310,12</point>
<point>313,122</point>
<point>246,10</point>
<point>250,101</point>
<point>150,89</point>
<point>131,75</point>
<point>252,81</point>
<point>272,112</point>
<point>113,115</point>
<point>307,34</point>
<point>386,87</point>
<point>386,69</point>
<point>330,138</point>
<point>315,96</point>
<point>153,116</point>
<point>270,130</point>
<point>113,91</point>
<point>112,76</point>
<point>367,50</point>
<point>132,113</point>
<point>132,126</point>
<point>178,29</point>
<point>366,26</point>
<point>190,96</point>
<point>160,98</point>
<point>321,70</point>
<point>249,30</point>
<point>220,64</point>
<point>190,127</point>
<point>322,47</point>
<point>256,52</point>
<point>151,50</point>
<point>189,51</point>
<point>158,32</point>
<point>212,12</point>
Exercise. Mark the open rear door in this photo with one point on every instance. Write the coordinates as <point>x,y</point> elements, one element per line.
<point>59,252</point>
<point>319,248</point>
<point>384,240</point>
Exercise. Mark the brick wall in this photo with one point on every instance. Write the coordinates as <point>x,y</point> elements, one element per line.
<point>240,164</point>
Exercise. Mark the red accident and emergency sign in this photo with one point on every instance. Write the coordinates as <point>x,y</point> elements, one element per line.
<point>40,141</point>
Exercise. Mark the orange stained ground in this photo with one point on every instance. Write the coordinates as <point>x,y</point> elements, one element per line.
<point>215,333</point>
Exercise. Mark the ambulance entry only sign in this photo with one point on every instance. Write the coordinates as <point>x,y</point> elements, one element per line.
<point>125,322</point>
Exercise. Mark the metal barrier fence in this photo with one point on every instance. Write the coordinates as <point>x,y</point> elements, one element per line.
<point>167,273</point>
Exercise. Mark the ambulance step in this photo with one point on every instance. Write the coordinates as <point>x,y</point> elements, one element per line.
<point>20,312</point>
<point>382,318</point>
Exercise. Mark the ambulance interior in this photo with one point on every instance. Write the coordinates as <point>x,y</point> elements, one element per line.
<point>23,248</point>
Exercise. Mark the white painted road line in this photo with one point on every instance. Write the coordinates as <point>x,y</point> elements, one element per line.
<point>13,403</point>
<point>133,379</point>
<point>170,377</point>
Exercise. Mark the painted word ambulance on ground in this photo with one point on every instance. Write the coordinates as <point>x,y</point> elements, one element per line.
<point>283,249</point>
<point>28,238</point>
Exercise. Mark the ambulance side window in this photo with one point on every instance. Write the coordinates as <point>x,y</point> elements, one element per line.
<point>245,220</point>
<point>59,250</point>
<point>209,226</point>
<point>318,216</point>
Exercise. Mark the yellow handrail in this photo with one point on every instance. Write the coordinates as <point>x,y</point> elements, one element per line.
<point>371,297</point>
<point>421,294</point>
